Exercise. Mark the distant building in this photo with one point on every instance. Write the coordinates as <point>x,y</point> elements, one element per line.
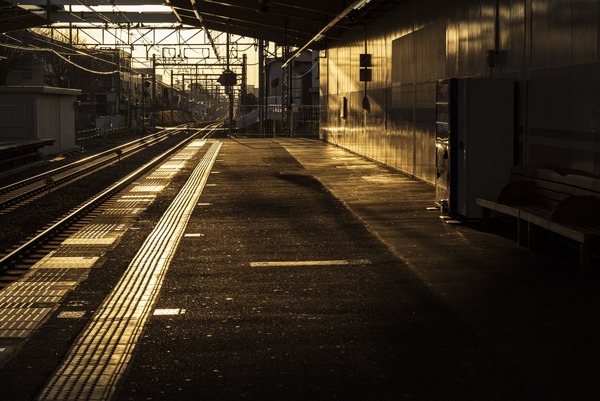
<point>302,80</point>
<point>39,113</point>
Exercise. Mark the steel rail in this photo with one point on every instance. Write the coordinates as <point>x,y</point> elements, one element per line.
<point>103,158</point>
<point>8,261</point>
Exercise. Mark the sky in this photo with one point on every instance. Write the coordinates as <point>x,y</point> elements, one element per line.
<point>171,45</point>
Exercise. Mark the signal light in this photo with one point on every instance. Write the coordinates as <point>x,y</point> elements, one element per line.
<point>227,78</point>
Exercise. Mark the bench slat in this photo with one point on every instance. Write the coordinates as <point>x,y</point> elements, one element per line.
<point>498,207</point>
<point>566,205</point>
<point>588,184</point>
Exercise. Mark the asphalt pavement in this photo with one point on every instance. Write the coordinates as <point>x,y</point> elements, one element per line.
<point>282,293</point>
<point>308,272</point>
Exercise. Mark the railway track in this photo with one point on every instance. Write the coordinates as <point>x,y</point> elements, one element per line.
<point>16,194</point>
<point>15,261</point>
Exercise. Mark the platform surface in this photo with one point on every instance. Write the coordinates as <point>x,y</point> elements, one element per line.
<point>307,272</point>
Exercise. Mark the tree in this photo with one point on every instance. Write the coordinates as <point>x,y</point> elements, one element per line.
<point>12,57</point>
<point>23,51</point>
<point>249,99</point>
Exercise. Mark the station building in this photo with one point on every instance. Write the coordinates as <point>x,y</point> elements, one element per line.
<point>548,49</point>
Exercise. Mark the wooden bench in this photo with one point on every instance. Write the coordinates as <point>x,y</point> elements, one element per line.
<point>568,205</point>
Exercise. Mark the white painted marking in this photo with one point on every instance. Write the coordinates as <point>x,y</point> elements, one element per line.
<point>168,312</point>
<point>193,235</point>
<point>337,262</point>
<point>71,314</point>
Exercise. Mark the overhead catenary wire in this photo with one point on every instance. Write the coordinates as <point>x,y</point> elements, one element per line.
<point>69,51</point>
<point>306,73</point>
<point>60,56</point>
<point>66,51</point>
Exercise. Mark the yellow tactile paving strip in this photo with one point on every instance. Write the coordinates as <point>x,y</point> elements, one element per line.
<point>26,303</point>
<point>97,360</point>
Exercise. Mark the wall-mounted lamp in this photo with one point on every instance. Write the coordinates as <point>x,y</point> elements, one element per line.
<point>491,58</point>
<point>264,6</point>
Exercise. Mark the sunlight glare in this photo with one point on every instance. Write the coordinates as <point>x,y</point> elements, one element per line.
<point>150,8</point>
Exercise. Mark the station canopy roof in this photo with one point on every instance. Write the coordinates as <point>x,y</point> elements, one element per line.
<point>297,23</point>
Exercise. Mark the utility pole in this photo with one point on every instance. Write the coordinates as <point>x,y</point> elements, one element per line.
<point>244,86</point>
<point>144,96</point>
<point>70,47</point>
<point>182,96</point>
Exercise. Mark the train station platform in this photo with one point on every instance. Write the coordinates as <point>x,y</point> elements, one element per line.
<point>17,154</point>
<point>307,272</point>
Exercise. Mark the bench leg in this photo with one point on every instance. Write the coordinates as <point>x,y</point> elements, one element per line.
<point>531,236</point>
<point>585,257</point>
<point>522,232</point>
<point>485,219</point>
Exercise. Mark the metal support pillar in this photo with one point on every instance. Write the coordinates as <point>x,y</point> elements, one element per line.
<point>153,100</point>
<point>143,101</point>
<point>261,87</point>
<point>230,88</point>
<point>285,95</point>
<point>170,98</point>
<point>182,96</point>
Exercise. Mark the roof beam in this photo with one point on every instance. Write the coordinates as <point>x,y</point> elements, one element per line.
<point>205,29</point>
<point>356,5</point>
<point>89,3</point>
<point>115,18</point>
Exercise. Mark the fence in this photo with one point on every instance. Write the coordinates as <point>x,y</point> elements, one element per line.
<point>84,135</point>
<point>302,120</point>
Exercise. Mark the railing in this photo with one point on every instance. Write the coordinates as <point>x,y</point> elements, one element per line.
<point>87,134</point>
<point>303,120</point>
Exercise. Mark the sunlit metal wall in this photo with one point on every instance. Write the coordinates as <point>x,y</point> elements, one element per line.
<point>550,49</point>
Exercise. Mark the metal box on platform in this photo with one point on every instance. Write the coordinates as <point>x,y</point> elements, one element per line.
<point>475,141</point>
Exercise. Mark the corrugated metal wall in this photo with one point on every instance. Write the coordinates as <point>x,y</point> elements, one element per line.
<point>16,116</point>
<point>550,48</point>
<point>12,121</point>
